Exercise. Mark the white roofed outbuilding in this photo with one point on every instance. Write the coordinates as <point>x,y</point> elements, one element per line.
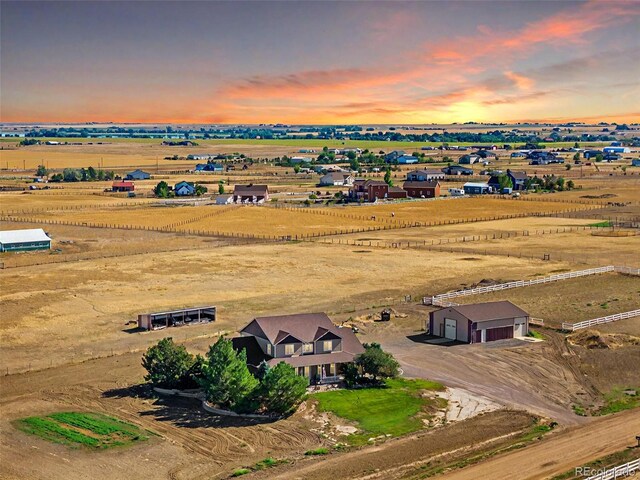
<point>22,240</point>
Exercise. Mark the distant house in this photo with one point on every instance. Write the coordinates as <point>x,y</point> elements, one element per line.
<point>123,187</point>
<point>406,160</point>
<point>23,240</point>
<point>518,155</point>
<point>592,153</point>
<point>336,179</point>
<point>469,159</point>
<point>250,193</point>
<point>391,157</point>
<point>635,162</point>
<point>137,175</point>
<point>309,342</point>
<point>424,189</point>
<point>224,199</point>
<point>209,167</point>
<point>424,175</point>
<point>611,157</point>
<point>541,157</point>
<point>372,190</point>
<point>473,188</point>
<point>457,170</point>
<point>184,189</point>
<point>480,322</point>
<point>518,179</point>
<point>376,190</point>
<point>300,160</point>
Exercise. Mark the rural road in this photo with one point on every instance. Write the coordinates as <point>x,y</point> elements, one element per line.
<point>559,453</point>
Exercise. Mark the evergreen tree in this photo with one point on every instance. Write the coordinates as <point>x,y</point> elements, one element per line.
<point>387,177</point>
<point>226,380</point>
<point>281,389</point>
<point>167,364</point>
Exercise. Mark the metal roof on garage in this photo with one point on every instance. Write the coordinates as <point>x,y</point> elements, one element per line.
<point>23,236</point>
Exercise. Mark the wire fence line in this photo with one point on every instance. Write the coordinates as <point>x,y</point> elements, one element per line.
<point>471,238</point>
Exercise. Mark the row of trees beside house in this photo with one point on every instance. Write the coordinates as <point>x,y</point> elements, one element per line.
<point>226,381</point>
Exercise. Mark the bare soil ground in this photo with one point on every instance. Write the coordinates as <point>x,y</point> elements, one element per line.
<point>83,308</point>
<point>558,453</point>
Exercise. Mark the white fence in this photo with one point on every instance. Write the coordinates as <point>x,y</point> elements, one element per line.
<point>618,472</point>
<point>436,300</point>
<point>598,321</point>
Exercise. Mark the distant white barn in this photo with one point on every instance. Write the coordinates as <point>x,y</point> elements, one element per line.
<point>23,240</point>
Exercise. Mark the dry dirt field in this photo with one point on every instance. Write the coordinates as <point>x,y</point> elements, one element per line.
<point>68,341</point>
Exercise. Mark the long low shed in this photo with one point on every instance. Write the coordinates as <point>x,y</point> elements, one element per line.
<point>480,322</point>
<point>23,240</point>
<point>176,318</point>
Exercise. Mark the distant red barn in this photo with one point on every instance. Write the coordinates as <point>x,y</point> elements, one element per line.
<point>123,187</point>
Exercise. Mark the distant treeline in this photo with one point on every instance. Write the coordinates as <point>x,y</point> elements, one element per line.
<point>557,134</point>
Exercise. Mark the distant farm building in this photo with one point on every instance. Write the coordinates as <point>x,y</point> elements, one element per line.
<point>251,194</point>
<point>24,240</point>
<point>473,188</point>
<point>469,159</point>
<point>391,157</point>
<point>424,175</point>
<point>177,318</point>
<point>123,186</point>
<point>137,175</point>
<point>635,162</point>
<point>616,149</point>
<point>224,199</point>
<point>406,159</point>
<point>480,322</point>
<point>424,189</point>
<point>457,170</point>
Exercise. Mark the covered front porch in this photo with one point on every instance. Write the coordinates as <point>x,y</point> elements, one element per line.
<point>321,374</point>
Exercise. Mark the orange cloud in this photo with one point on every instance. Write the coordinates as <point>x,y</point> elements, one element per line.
<point>565,27</point>
<point>522,82</point>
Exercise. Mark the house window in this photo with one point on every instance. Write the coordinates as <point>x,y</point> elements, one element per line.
<point>268,349</point>
<point>326,345</point>
<point>289,349</point>
<point>307,348</point>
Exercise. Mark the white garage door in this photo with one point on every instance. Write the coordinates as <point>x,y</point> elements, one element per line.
<point>449,328</point>
<point>518,331</point>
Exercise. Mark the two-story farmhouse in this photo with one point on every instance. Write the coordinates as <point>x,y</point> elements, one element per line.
<point>309,342</point>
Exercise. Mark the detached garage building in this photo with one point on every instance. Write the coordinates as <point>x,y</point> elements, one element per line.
<point>23,240</point>
<point>480,322</point>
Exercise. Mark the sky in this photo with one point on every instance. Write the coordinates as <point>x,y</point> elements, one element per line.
<point>328,62</point>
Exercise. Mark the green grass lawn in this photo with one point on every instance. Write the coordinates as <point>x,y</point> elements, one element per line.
<point>395,409</point>
<point>75,429</point>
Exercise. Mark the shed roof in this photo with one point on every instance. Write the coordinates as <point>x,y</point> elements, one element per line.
<point>425,184</point>
<point>22,236</point>
<point>485,312</point>
<point>251,190</point>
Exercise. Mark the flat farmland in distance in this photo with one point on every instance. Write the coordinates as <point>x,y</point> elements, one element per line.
<point>275,221</point>
<point>60,200</point>
<point>595,248</point>
<point>462,209</point>
<point>469,230</point>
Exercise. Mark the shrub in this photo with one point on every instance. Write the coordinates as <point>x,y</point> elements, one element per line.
<point>168,365</point>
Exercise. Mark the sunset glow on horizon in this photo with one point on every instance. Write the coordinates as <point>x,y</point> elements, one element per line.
<point>320,62</point>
